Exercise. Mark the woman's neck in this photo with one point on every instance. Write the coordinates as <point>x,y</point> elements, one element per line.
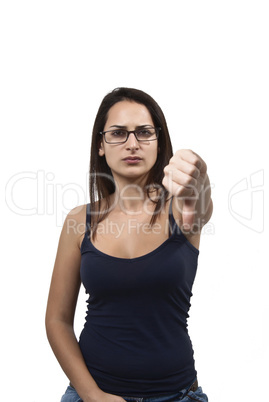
<point>132,200</point>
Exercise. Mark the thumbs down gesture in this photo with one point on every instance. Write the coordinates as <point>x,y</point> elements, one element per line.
<point>186,177</point>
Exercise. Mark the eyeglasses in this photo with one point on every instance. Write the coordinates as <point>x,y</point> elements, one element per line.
<point>120,135</point>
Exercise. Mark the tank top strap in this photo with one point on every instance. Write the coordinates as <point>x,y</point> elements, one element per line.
<point>173,226</point>
<point>88,219</point>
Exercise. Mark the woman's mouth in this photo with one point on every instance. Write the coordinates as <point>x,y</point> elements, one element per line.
<point>132,160</point>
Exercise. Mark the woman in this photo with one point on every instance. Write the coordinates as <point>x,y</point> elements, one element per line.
<point>137,259</point>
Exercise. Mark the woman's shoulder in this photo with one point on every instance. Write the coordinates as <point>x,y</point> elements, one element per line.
<point>78,213</point>
<point>76,222</point>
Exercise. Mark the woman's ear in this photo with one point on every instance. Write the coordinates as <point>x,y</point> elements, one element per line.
<point>101,149</point>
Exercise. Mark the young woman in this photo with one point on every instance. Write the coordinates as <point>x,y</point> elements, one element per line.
<point>136,257</point>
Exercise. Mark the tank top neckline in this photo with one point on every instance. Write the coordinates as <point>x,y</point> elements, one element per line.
<point>150,253</point>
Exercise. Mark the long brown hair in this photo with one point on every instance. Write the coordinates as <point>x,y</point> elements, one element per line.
<point>101,182</point>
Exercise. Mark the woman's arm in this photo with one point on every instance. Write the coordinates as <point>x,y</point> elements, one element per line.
<point>186,178</point>
<point>60,312</point>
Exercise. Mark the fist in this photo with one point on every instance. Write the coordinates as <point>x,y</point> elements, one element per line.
<point>184,177</point>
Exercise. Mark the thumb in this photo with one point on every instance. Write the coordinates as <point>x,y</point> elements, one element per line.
<point>188,213</point>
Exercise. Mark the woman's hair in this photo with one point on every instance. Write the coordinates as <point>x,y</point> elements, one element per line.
<point>101,182</point>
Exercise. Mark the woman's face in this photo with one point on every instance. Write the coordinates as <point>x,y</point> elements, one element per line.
<point>129,115</point>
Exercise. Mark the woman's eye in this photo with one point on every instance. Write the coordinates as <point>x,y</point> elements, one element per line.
<point>144,133</point>
<point>118,133</point>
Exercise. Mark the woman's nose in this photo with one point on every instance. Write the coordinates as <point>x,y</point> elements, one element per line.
<point>132,142</point>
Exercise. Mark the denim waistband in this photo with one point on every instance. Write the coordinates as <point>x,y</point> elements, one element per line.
<point>163,398</point>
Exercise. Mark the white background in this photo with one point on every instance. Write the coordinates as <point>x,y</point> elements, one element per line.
<point>206,63</point>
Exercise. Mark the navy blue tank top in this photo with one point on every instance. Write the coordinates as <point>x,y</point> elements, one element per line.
<point>135,340</point>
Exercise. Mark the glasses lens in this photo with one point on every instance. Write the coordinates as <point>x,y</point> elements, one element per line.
<point>146,134</point>
<point>120,135</point>
<point>116,136</point>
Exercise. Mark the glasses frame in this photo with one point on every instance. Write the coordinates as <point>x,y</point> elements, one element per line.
<point>157,130</point>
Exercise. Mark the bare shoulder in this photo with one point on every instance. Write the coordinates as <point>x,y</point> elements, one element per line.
<point>76,222</point>
<point>78,213</point>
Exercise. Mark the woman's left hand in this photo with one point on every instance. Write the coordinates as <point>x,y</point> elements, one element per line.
<point>184,177</point>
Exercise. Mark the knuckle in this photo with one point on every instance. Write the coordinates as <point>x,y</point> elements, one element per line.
<point>186,181</point>
<point>196,160</point>
<point>173,159</point>
<point>193,171</point>
<point>166,169</point>
<point>187,151</point>
<point>165,182</point>
<point>190,181</point>
<point>179,191</point>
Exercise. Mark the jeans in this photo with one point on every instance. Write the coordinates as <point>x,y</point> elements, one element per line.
<point>182,396</point>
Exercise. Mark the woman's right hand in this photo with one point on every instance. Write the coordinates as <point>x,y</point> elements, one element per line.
<point>104,397</point>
